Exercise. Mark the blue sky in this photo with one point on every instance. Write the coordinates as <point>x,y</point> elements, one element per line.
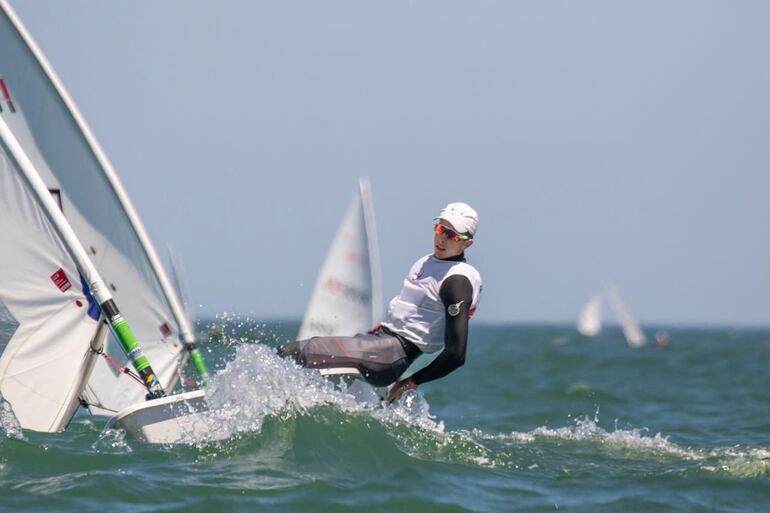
<point>622,141</point>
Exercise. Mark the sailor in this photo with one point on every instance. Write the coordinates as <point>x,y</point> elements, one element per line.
<point>430,314</point>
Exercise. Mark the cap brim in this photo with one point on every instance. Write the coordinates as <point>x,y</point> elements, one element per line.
<point>457,222</point>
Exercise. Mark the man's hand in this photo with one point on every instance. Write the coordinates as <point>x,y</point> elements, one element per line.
<point>399,388</point>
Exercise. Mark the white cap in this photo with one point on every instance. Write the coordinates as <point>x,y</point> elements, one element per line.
<point>462,218</point>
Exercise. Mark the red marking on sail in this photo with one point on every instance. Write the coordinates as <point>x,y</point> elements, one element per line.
<point>355,257</point>
<point>339,288</point>
<point>334,285</point>
<point>6,95</point>
<point>60,279</point>
<point>4,90</point>
<point>165,330</point>
<point>471,311</point>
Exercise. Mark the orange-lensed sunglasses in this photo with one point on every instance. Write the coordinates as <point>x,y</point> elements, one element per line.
<point>449,233</point>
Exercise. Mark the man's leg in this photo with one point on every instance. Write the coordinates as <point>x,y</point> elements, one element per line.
<point>290,350</point>
<point>379,358</point>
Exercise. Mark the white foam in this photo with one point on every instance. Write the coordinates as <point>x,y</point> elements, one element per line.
<point>8,422</point>
<point>585,429</point>
<point>112,441</point>
<point>257,384</point>
<point>739,461</point>
<point>631,439</point>
<point>634,443</point>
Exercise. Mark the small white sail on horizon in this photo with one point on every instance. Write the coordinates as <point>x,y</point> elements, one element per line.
<point>589,321</point>
<point>590,318</point>
<point>631,330</point>
<point>346,298</point>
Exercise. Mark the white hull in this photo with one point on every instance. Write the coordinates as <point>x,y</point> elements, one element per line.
<point>178,418</point>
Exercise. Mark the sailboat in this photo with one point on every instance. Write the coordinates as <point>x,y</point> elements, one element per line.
<point>589,321</point>
<point>346,298</point>
<point>631,330</point>
<point>77,174</point>
<point>53,302</point>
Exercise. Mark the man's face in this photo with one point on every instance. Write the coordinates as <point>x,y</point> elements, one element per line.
<point>444,244</point>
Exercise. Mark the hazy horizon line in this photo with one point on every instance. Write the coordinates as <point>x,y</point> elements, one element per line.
<point>513,323</point>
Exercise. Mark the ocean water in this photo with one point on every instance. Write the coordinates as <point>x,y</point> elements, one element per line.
<point>539,419</point>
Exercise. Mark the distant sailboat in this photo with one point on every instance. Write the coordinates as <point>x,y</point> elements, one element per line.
<point>347,295</point>
<point>590,318</point>
<point>346,299</point>
<point>589,321</point>
<point>631,330</point>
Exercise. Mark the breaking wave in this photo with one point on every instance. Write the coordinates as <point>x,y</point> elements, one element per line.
<point>635,444</point>
<point>260,402</point>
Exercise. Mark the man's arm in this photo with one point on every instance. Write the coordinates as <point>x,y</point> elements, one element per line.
<point>457,295</point>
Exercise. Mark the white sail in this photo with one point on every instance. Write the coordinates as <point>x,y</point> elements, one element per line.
<point>346,297</point>
<point>631,330</point>
<point>590,318</point>
<point>49,320</point>
<point>53,134</point>
<point>179,279</point>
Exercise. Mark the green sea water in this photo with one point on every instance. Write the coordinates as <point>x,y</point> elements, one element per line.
<point>539,419</point>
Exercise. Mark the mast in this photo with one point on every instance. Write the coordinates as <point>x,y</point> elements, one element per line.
<point>374,249</point>
<point>99,290</point>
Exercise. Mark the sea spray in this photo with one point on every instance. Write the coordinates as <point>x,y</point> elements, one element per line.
<point>742,462</point>
<point>257,385</point>
<point>634,445</point>
<point>112,441</point>
<point>9,424</point>
<point>420,435</point>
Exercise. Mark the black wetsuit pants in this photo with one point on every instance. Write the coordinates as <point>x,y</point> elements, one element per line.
<point>381,357</point>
